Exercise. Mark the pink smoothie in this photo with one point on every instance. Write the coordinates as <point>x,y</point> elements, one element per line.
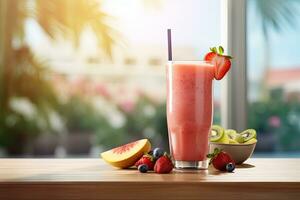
<point>189,108</point>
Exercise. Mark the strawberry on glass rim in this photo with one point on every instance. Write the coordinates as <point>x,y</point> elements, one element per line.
<point>221,62</point>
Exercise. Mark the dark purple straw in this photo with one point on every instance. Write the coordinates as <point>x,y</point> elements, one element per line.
<point>169,45</point>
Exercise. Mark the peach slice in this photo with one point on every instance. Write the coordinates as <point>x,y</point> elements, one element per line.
<point>125,156</point>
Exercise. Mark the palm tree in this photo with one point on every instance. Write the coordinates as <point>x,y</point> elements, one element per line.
<point>70,18</point>
<point>21,72</point>
<point>275,15</point>
<point>57,18</point>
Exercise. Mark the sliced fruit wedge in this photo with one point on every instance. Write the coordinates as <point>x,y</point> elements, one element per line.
<point>252,141</point>
<point>218,134</point>
<point>231,141</point>
<point>248,134</point>
<point>125,156</point>
<point>231,133</point>
<point>222,62</point>
<point>239,138</point>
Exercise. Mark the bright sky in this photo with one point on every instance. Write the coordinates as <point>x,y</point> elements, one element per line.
<point>194,23</point>
<point>283,48</point>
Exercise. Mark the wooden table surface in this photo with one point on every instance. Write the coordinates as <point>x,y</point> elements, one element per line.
<point>44,179</point>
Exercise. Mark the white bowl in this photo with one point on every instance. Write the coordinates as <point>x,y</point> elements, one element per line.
<point>239,152</point>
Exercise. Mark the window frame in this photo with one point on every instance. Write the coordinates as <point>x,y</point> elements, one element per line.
<point>234,86</point>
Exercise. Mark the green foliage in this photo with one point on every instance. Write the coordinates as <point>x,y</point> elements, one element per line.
<point>159,122</point>
<point>79,115</point>
<point>16,126</point>
<point>140,117</point>
<point>277,14</point>
<point>146,120</point>
<point>23,75</point>
<point>69,18</point>
<point>31,79</point>
<point>28,80</point>
<point>286,126</point>
<point>108,137</point>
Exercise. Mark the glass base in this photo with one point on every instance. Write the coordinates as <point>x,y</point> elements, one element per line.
<point>191,164</point>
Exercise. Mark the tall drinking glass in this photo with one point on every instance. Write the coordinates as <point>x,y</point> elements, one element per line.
<point>189,111</point>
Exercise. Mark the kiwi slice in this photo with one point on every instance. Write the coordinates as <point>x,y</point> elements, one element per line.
<point>231,133</point>
<point>218,135</point>
<point>231,141</point>
<point>248,134</point>
<point>251,141</point>
<point>239,138</point>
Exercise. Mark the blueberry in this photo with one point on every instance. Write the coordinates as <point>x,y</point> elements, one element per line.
<point>158,152</point>
<point>230,167</point>
<point>143,168</point>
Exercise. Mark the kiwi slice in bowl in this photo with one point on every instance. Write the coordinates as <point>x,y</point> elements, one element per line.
<point>252,141</point>
<point>231,133</point>
<point>248,134</point>
<point>217,134</point>
<point>239,138</point>
<point>231,141</point>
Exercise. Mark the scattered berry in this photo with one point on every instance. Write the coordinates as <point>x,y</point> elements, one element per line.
<point>230,167</point>
<point>163,165</point>
<point>221,62</point>
<point>147,160</point>
<point>220,159</point>
<point>143,168</point>
<point>157,153</point>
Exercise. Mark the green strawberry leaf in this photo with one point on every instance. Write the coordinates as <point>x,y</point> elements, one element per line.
<point>221,50</point>
<point>213,155</point>
<point>213,49</point>
<point>210,155</point>
<point>149,156</point>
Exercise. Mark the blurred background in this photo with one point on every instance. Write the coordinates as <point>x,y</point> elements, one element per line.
<point>81,76</point>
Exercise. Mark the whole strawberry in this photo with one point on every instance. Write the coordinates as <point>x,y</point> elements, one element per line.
<point>146,159</point>
<point>220,159</point>
<point>163,165</point>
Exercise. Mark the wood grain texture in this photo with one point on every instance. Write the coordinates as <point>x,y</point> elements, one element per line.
<point>43,179</point>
